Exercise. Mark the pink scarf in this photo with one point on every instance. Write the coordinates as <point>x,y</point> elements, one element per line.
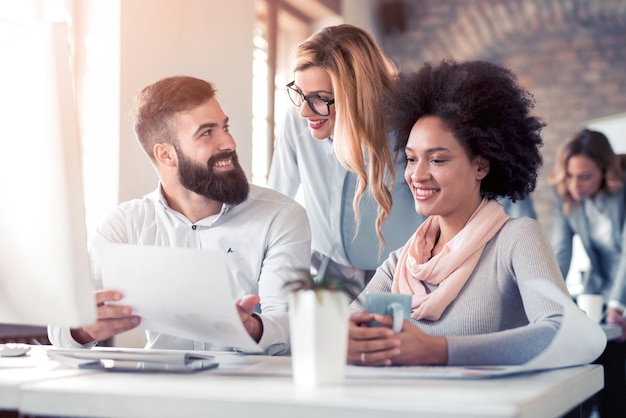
<point>449,269</point>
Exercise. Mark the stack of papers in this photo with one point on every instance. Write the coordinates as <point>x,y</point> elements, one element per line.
<point>133,354</point>
<point>134,360</point>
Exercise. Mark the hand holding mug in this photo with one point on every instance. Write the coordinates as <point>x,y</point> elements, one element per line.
<point>396,305</point>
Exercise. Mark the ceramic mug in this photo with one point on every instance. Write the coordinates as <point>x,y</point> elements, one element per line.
<point>396,305</point>
<point>592,305</point>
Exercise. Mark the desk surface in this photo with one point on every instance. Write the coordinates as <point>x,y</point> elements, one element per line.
<point>261,392</point>
<point>16,371</point>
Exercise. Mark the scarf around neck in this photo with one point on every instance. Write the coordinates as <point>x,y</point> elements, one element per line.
<point>449,269</point>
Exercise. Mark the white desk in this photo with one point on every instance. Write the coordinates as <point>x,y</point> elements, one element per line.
<point>224,393</point>
<point>17,371</point>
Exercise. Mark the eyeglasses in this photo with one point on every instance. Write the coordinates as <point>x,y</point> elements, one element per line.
<point>319,105</point>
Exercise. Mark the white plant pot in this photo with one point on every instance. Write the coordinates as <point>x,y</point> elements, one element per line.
<point>318,326</point>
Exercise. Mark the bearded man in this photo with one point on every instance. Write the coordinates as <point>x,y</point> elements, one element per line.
<point>203,201</point>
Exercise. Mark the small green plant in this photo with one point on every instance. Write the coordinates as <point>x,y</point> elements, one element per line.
<point>306,281</point>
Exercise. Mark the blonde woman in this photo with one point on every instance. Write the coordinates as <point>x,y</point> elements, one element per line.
<point>336,147</point>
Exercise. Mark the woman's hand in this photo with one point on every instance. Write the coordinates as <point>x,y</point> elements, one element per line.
<point>614,316</point>
<point>419,348</point>
<point>379,346</point>
<point>113,319</point>
<point>371,346</point>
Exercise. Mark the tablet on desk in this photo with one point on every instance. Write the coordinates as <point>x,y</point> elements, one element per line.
<point>150,366</point>
<point>137,354</point>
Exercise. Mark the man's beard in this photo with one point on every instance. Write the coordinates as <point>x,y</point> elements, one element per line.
<point>230,187</point>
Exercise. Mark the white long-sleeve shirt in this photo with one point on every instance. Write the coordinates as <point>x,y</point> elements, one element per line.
<point>266,238</point>
<point>328,190</point>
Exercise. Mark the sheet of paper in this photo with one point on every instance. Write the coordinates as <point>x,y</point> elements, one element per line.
<point>177,291</point>
<point>566,346</point>
<point>281,366</point>
<point>434,372</point>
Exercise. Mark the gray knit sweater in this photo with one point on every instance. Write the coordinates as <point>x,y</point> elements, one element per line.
<point>497,319</point>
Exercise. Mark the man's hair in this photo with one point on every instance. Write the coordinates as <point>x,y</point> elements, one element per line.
<point>157,104</point>
<point>488,112</point>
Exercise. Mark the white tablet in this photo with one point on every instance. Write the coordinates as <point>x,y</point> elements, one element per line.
<point>150,366</point>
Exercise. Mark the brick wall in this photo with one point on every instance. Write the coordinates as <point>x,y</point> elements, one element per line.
<point>571,54</point>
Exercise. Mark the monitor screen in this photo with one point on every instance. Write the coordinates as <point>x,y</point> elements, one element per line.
<point>44,265</point>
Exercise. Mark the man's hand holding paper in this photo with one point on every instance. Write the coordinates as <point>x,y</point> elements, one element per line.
<point>113,318</point>
<point>180,292</point>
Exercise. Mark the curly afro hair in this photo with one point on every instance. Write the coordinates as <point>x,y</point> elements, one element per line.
<point>487,111</point>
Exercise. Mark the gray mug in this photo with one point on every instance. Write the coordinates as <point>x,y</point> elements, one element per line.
<point>396,305</point>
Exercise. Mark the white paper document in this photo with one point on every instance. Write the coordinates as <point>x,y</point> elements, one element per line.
<point>282,366</point>
<point>565,348</point>
<point>434,372</point>
<point>181,292</point>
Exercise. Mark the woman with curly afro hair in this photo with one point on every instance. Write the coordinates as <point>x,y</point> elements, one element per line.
<point>477,277</point>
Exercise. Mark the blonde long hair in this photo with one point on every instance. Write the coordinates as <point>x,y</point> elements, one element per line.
<point>361,76</point>
<point>595,146</point>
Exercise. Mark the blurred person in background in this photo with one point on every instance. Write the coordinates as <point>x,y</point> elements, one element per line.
<point>591,202</point>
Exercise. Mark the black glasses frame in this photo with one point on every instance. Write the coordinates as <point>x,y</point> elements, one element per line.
<point>308,99</point>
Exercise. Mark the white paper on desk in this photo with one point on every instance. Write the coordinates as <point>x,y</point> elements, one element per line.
<point>565,348</point>
<point>182,292</point>
<point>434,372</point>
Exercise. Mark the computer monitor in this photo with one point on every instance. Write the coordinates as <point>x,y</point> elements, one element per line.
<point>44,265</point>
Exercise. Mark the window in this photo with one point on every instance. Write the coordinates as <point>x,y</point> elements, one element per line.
<point>95,100</point>
<point>613,127</point>
<point>281,26</point>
